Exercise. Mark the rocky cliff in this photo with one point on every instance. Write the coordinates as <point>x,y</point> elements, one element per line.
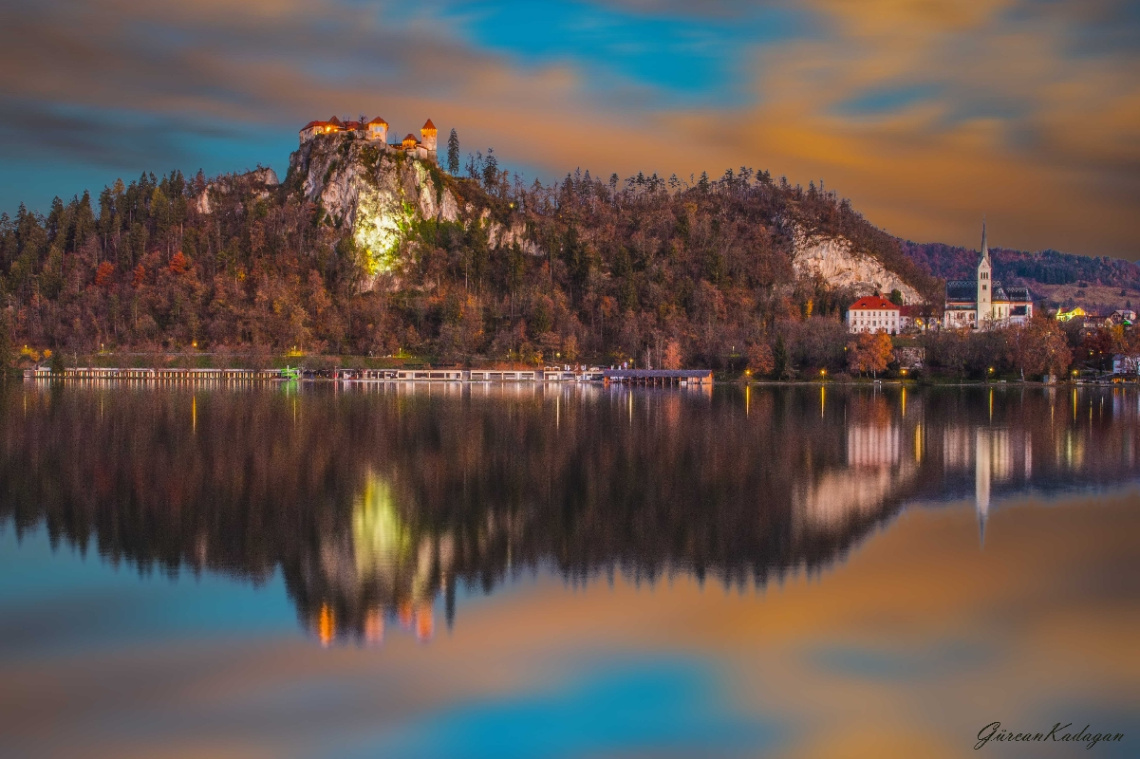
<point>375,194</point>
<point>836,262</point>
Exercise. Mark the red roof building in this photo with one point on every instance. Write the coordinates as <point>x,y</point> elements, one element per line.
<point>873,313</point>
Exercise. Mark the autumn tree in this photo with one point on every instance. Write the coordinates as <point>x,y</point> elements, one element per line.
<point>1048,339</point>
<point>104,274</point>
<point>672,358</point>
<point>870,353</point>
<point>760,359</point>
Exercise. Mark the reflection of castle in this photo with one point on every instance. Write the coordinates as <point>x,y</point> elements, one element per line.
<point>377,572</point>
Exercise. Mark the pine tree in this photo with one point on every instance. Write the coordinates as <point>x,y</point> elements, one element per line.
<point>490,169</point>
<point>453,153</point>
<point>6,353</point>
<point>780,359</point>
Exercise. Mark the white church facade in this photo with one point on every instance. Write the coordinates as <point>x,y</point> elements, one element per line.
<point>984,303</point>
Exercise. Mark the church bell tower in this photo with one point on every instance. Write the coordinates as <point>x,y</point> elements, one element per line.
<point>985,285</point>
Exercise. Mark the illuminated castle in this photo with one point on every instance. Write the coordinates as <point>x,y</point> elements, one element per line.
<point>376,130</point>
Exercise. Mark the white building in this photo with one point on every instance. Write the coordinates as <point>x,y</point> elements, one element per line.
<point>873,313</point>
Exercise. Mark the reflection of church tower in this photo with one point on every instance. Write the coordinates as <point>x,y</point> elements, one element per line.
<point>982,476</point>
<point>985,292</point>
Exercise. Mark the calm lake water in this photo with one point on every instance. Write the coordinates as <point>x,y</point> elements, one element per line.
<point>447,571</point>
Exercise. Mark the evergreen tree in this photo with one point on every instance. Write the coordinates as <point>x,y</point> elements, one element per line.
<point>453,153</point>
<point>780,359</point>
<point>490,169</point>
<point>5,346</point>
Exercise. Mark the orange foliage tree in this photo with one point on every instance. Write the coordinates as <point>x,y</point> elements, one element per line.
<point>104,274</point>
<point>870,353</point>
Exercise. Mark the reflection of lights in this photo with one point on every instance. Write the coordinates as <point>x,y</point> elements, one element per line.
<point>374,627</point>
<point>379,536</point>
<point>406,615</point>
<point>425,622</point>
<point>326,625</point>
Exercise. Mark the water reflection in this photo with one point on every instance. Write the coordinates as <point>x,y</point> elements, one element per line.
<point>378,504</point>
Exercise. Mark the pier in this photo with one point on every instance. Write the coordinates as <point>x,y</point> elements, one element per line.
<point>646,377</point>
<point>658,377</point>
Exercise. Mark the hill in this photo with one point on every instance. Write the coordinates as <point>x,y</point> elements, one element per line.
<point>367,251</point>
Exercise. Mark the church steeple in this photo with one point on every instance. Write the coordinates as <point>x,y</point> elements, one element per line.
<point>985,293</point>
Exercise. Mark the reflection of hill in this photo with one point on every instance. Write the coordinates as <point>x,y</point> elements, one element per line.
<point>374,504</point>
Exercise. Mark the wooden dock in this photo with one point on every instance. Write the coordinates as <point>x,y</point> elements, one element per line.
<point>658,377</point>
<point>655,377</point>
<point>157,375</point>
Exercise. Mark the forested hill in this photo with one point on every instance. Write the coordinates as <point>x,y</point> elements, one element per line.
<point>367,252</point>
<point>1064,279</point>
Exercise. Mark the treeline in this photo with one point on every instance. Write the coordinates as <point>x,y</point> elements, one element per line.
<point>1044,346</point>
<point>645,269</point>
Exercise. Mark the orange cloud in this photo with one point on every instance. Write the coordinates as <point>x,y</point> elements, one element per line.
<point>1017,115</point>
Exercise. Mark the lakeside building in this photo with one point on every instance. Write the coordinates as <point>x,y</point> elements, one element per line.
<point>1091,320</point>
<point>984,303</point>
<point>916,318</point>
<point>376,130</point>
<point>874,313</point>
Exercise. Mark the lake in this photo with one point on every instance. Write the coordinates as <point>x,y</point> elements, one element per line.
<point>443,570</point>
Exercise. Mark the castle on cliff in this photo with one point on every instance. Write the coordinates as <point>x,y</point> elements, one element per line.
<point>376,130</point>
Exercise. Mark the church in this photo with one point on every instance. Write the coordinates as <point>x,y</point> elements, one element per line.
<point>984,303</point>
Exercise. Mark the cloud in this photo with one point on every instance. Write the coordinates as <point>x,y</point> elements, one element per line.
<point>881,656</point>
<point>927,115</point>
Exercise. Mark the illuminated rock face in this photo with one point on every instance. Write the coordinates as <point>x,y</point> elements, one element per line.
<point>377,195</point>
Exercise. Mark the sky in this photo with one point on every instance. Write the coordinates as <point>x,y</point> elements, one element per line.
<point>927,114</point>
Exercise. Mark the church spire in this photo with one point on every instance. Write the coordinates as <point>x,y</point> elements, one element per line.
<point>985,248</point>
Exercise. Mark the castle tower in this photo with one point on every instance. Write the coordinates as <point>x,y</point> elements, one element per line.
<point>378,130</point>
<point>985,291</point>
<point>428,138</point>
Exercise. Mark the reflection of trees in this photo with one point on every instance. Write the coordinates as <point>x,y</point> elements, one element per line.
<point>375,503</point>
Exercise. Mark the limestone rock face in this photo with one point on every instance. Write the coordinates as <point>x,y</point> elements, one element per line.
<point>260,181</point>
<point>834,260</point>
<point>374,193</point>
<point>339,171</point>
